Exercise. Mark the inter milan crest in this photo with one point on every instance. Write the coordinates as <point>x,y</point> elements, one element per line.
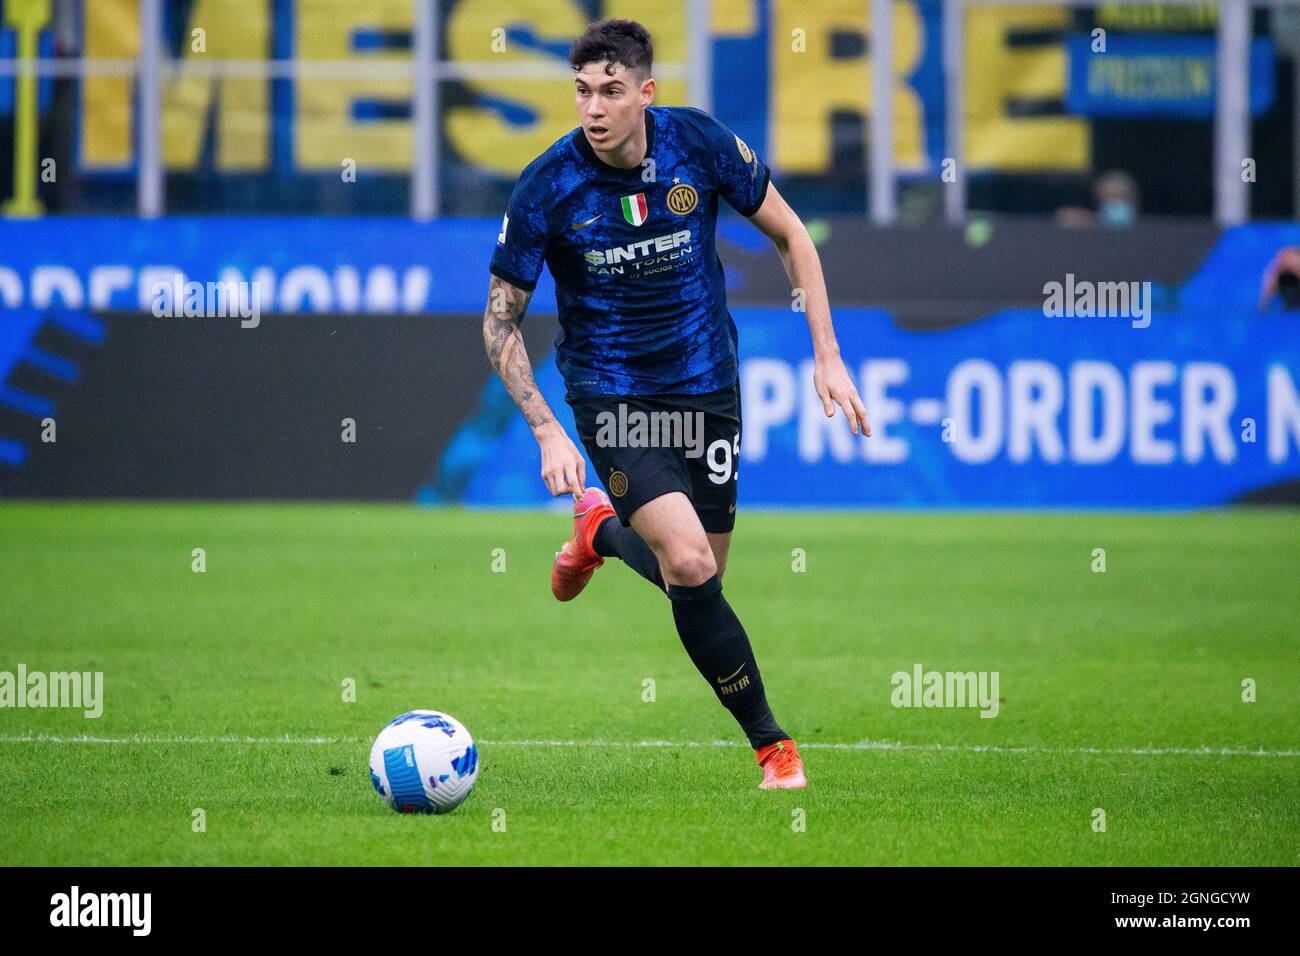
<point>634,209</point>
<point>682,198</point>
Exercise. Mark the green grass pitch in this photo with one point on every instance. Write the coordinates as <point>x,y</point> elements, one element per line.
<point>1109,683</point>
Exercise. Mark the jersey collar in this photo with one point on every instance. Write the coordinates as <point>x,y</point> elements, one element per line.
<point>584,147</point>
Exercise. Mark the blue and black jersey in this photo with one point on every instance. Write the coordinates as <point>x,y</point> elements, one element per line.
<point>638,282</point>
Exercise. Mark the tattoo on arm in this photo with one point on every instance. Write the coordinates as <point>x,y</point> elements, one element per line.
<point>505,349</point>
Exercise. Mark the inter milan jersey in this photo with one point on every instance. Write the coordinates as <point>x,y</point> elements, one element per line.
<point>638,282</point>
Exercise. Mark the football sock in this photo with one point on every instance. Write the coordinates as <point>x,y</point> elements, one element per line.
<point>616,540</point>
<point>719,648</point>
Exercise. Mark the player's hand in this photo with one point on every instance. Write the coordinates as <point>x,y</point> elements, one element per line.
<point>563,468</point>
<point>834,387</point>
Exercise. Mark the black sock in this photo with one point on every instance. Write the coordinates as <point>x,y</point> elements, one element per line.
<point>719,648</point>
<point>615,540</point>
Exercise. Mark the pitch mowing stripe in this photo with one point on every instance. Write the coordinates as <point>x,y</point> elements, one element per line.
<point>1204,751</point>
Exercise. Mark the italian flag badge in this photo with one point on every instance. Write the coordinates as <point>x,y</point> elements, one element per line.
<point>634,209</point>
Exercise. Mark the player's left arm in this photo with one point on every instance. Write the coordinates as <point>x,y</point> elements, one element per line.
<point>783,226</point>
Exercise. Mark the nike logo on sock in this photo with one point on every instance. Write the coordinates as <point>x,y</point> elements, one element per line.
<point>723,680</point>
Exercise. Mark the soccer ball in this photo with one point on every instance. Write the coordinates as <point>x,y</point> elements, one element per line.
<point>424,762</point>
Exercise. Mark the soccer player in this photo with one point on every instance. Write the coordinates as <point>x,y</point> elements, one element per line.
<point>622,210</point>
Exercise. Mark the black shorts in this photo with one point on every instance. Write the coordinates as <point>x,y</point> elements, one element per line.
<point>647,446</point>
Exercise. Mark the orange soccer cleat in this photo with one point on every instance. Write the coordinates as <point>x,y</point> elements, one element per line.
<point>578,560</point>
<point>782,767</point>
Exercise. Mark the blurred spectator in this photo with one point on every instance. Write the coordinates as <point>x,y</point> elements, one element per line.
<point>1117,196</point>
<point>1282,277</point>
<point>66,23</point>
<point>1117,199</point>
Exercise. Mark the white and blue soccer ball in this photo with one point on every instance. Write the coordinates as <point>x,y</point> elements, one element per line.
<point>424,762</point>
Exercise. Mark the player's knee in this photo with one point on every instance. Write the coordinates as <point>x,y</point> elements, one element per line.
<point>688,563</point>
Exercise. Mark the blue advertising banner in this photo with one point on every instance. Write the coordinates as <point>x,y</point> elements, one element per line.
<point>1181,399</point>
<point>1157,76</point>
<point>1016,410</point>
<point>298,264</point>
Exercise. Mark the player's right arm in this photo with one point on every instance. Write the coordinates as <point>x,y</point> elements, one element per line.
<point>516,266</point>
<point>563,467</point>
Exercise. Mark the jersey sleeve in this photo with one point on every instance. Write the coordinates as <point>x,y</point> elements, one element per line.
<point>740,176</point>
<point>521,243</point>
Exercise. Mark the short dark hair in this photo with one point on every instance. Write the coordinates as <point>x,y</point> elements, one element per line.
<point>623,42</point>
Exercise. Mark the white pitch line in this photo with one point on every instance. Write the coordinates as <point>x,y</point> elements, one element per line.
<point>166,740</point>
<point>898,745</point>
<point>1151,751</point>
